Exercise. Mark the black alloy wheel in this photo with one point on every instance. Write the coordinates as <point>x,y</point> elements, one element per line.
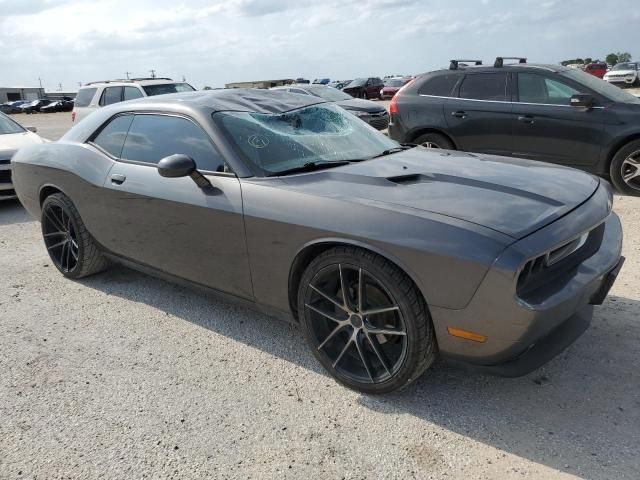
<point>370,331</point>
<point>71,247</point>
<point>60,237</point>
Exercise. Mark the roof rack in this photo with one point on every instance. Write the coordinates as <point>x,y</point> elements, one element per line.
<point>128,80</point>
<point>455,63</point>
<point>500,61</point>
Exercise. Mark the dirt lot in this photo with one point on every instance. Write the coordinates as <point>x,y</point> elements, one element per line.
<point>124,376</point>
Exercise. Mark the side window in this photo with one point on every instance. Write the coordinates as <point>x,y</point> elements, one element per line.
<point>439,85</point>
<point>111,95</point>
<point>111,137</point>
<point>132,92</point>
<point>534,88</point>
<point>153,137</point>
<point>84,97</point>
<point>485,86</point>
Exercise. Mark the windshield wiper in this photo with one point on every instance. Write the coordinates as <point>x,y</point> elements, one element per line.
<point>310,167</point>
<point>402,147</point>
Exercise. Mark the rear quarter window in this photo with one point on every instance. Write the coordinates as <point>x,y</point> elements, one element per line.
<point>439,85</point>
<point>84,97</point>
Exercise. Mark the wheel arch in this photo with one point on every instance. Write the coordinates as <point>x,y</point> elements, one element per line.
<point>423,130</point>
<point>46,191</point>
<point>305,255</point>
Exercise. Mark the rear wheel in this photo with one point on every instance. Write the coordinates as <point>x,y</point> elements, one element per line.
<point>365,321</point>
<point>435,140</point>
<point>625,169</point>
<point>71,248</point>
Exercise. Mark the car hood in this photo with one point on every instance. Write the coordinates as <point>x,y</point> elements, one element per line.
<point>512,196</point>
<point>11,143</point>
<point>620,72</point>
<point>357,104</point>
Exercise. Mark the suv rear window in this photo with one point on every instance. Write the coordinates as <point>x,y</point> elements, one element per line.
<point>439,85</point>
<point>84,96</point>
<point>164,88</point>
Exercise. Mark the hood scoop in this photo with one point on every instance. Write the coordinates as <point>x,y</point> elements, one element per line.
<point>411,179</point>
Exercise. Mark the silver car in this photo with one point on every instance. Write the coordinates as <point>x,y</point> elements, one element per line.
<point>387,256</point>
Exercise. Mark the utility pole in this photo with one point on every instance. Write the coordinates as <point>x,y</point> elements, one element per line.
<point>184,79</point>
<point>40,80</point>
<point>127,74</point>
<point>59,87</point>
<point>153,73</point>
<point>79,84</point>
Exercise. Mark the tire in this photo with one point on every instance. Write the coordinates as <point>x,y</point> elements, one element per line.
<point>636,82</point>
<point>71,247</point>
<point>626,161</point>
<point>435,140</point>
<point>372,353</point>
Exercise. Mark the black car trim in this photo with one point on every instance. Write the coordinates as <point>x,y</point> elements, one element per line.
<point>501,101</point>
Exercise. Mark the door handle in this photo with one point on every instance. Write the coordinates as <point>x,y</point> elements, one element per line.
<point>118,179</point>
<point>459,114</point>
<point>526,119</point>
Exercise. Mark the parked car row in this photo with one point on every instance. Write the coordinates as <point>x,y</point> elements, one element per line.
<point>41,105</point>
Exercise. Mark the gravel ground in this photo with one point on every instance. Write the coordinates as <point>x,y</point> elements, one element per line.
<point>122,375</point>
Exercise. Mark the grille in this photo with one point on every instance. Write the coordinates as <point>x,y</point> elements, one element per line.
<point>5,176</point>
<point>548,272</point>
<point>5,161</point>
<point>379,123</point>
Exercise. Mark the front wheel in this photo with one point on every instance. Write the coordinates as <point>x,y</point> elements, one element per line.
<point>365,320</point>
<point>70,246</point>
<point>625,169</point>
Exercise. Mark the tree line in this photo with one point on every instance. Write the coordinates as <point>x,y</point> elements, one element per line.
<point>611,59</point>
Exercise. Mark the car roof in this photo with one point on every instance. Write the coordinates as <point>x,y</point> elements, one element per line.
<point>125,82</point>
<point>507,67</point>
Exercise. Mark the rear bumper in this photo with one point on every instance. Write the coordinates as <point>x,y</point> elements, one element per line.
<point>511,325</point>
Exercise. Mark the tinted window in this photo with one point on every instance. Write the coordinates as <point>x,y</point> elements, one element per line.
<point>540,89</point>
<point>153,137</point>
<point>439,85</point>
<point>485,86</point>
<point>84,96</point>
<point>111,137</point>
<point>164,88</point>
<point>111,95</point>
<point>132,92</point>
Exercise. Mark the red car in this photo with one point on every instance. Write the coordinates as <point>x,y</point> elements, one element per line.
<point>391,86</point>
<point>597,69</point>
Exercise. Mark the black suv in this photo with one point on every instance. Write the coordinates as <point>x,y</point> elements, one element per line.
<point>543,112</point>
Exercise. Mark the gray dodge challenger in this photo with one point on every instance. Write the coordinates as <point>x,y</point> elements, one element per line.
<point>387,255</point>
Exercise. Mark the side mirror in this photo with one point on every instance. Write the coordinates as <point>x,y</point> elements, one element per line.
<point>177,165</point>
<point>582,101</point>
<point>32,129</point>
<point>180,165</point>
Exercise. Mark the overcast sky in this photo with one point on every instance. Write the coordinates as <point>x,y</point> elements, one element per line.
<point>212,43</point>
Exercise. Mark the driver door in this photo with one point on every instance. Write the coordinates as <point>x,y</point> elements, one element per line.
<point>171,224</point>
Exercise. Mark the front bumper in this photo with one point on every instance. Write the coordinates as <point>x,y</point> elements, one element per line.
<point>621,80</point>
<point>514,327</point>
<point>379,121</point>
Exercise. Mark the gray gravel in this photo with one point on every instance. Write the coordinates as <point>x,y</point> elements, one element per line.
<point>121,375</point>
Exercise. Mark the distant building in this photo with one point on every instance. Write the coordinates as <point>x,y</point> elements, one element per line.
<point>10,94</point>
<point>261,83</point>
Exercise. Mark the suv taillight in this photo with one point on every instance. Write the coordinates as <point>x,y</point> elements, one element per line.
<point>73,116</point>
<point>393,106</point>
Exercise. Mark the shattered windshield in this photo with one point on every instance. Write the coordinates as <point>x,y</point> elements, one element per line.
<point>319,133</point>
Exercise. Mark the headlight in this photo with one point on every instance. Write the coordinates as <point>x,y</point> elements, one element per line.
<point>359,113</point>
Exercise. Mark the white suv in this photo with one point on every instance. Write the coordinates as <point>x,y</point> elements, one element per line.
<point>94,95</point>
<point>625,73</point>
